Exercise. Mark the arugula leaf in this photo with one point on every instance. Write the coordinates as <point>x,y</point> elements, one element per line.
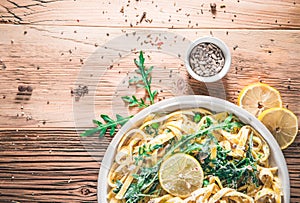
<point>228,119</point>
<point>232,172</point>
<point>133,101</point>
<point>109,124</point>
<point>145,80</point>
<point>147,178</point>
<point>135,79</point>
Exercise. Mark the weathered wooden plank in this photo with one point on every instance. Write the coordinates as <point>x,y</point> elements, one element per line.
<point>68,174</point>
<point>155,14</point>
<point>49,59</point>
<point>53,167</point>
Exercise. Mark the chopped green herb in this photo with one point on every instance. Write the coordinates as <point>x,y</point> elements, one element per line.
<point>205,183</point>
<point>119,185</point>
<point>153,131</point>
<point>155,125</point>
<point>145,151</point>
<point>197,117</point>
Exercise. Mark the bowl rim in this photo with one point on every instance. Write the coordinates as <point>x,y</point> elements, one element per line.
<point>195,101</point>
<point>227,57</point>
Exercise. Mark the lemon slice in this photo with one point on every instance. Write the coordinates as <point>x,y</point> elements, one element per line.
<point>282,123</point>
<point>180,175</point>
<point>258,97</point>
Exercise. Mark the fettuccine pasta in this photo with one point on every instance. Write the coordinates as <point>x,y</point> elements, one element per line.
<point>234,158</point>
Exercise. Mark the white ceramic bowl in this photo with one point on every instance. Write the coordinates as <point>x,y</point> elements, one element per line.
<point>226,53</point>
<point>185,102</point>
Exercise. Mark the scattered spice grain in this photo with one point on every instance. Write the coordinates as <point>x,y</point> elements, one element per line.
<point>2,64</point>
<point>213,8</point>
<point>29,89</point>
<point>22,88</point>
<point>143,16</point>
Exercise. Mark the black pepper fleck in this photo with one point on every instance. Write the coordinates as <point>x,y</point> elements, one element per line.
<point>2,64</point>
<point>29,89</point>
<point>21,88</point>
<point>213,7</point>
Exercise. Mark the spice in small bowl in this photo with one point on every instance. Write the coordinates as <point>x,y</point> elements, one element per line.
<point>208,59</point>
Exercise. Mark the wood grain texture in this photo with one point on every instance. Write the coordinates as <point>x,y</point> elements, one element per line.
<point>50,58</point>
<point>48,166</point>
<point>158,14</point>
<point>55,166</point>
<point>61,48</point>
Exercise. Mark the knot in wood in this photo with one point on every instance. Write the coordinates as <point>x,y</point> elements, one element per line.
<point>85,191</point>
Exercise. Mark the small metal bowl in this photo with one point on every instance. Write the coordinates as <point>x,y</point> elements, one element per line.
<point>225,51</point>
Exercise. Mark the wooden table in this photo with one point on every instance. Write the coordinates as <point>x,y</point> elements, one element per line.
<point>58,49</point>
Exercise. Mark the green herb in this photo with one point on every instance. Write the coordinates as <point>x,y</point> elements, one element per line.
<point>209,121</point>
<point>205,183</point>
<point>119,185</point>
<point>193,147</point>
<point>152,130</point>
<point>133,101</point>
<point>144,81</point>
<point>155,125</point>
<point>231,123</point>
<point>109,123</point>
<point>232,173</point>
<point>145,151</point>
<point>197,117</point>
<point>147,179</point>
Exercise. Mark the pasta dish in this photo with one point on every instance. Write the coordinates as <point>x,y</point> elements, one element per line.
<point>193,156</point>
